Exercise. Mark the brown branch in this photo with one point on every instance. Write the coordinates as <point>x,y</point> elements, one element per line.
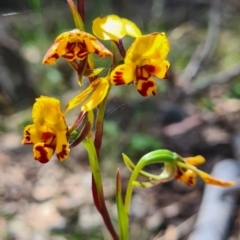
<point>222,77</point>
<point>205,50</point>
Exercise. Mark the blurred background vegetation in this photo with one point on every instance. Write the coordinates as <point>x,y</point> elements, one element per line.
<point>196,111</point>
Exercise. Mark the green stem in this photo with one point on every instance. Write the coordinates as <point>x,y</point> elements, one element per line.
<point>97,188</point>
<point>99,124</point>
<point>158,156</point>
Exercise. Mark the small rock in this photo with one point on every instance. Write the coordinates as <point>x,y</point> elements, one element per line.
<point>153,222</point>
<point>43,191</point>
<point>138,208</point>
<point>89,218</point>
<point>43,216</point>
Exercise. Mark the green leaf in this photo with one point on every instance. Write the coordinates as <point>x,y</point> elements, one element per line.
<point>122,215</point>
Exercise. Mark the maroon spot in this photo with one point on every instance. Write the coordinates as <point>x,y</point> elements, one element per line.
<point>149,68</point>
<point>27,132</point>
<point>144,88</point>
<point>63,153</point>
<point>117,79</point>
<point>82,55</point>
<point>140,75</point>
<point>46,135</point>
<point>82,45</point>
<point>43,154</point>
<point>118,82</point>
<point>70,46</point>
<point>27,140</point>
<point>190,181</point>
<point>97,51</point>
<point>55,55</point>
<point>69,55</point>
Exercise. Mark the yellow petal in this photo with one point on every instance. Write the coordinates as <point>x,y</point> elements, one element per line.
<point>146,87</point>
<point>31,136</point>
<point>141,73</point>
<point>46,112</point>
<point>110,27</point>
<point>42,153</point>
<point>94,46</point>
<point>79,98</point>
<point>52,54</point>
<point>153,46</point>
<point>214,181</point>
<point>62,149</point>
<point>131,28</point>
<point>98,95</point>
<point>123,74</point>
<point>73,45</point>
<point>156,68</point>
<point>188,177</point>
<point>195,160</point>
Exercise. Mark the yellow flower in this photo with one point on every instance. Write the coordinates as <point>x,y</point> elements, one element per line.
<point>187,172</point>
<point>98,88</point>
<point>145,58</point>
<point>112,27</point>
<point>73,45</point>
<point>48,133</point>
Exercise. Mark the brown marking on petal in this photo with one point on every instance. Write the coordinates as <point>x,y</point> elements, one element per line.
<point>55,55</point>
<point>97,51</point>
<point>70,46</point>
<point>179,172</point>
<point>70,56</point>
<point>144,88</point>
<point>82,51</point>
<point>51,143</point>
<point>141,73</point>
<point>190,181</point>
<point>46,135</point>
<point>82,45</point>
<point>63,153</point>
<point>27,133</point>
<point>149,68</point>
<point>82,55</point>
<point>27,140</point>
<point>43,154</point>
<point>118,79</point>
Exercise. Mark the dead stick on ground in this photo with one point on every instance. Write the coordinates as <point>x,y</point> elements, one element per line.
<point>179,231</point>
<point>205,50</point>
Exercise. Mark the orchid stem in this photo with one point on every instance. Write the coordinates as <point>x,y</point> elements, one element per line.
<point>159,156</point>
<point>121,48</point>
<point>97,188</point>
<point>80,8</point>
<point>99,124</point>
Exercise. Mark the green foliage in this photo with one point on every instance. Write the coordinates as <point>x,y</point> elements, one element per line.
<point>34,4</point>
<point>144,142</point>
